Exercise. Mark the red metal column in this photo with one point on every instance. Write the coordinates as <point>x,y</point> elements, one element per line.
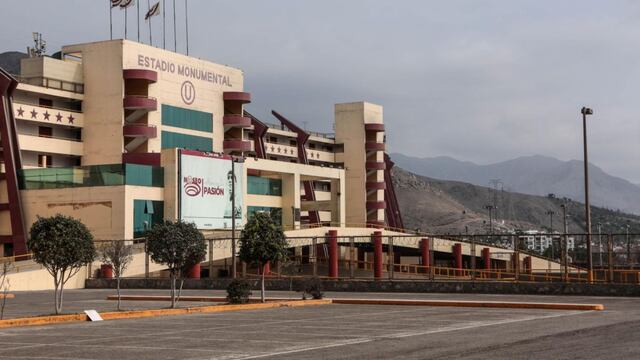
<point>194,272</point>
<point>377,254</point>
<point>332,240</point>
<point>106,271</point>
<point>457,256</point>
<point>486,258</point>
<point>426,259</point>
<point>267,269</point>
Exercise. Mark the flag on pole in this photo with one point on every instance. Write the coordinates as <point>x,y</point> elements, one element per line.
<point>124,4</point>
<point>115,3</point>
<point>153,11</point>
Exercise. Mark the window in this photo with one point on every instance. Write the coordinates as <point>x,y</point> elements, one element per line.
<point>45,131</point>
<point>186,118</point>
<point>146,213</point>
<point>191,142</point>
<point>45,102</point>
<point>44,161</point>
<point>273,139</point>
<point>292,142</point>
<point>312,146</point>
<point>276,213</point>
<point>264,186</point>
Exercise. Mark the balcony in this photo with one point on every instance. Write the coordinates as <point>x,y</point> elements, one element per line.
<point>281,150</point>
<point>376,185</point>
<point>376,205</point>
<point>51,145</point>
<point>237,96</point>
<point>138,133</point>
<point>236,121</point>
<point>152,159</point>
<point>138,105</point>
<point>374,127</point>
<point>372,165</point>
<point>48,115</point>
<point>237,145</point>
<point>149,76</point>
<point>374,146</point>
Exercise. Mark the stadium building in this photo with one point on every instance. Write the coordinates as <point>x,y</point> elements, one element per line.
<point>122,135</point>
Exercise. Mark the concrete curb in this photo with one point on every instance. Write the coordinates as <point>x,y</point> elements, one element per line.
<point>452,303</point>
<point>480,304</point>
<point>7,296</point>
<point>47,320</point>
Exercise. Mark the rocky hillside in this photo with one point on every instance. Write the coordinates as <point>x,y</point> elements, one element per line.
<point>440,206</point>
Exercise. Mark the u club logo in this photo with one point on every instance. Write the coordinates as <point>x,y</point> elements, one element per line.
<point>188,92</point>
<point>194,186</point>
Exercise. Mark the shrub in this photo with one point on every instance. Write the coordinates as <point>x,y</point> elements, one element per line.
<point>238,291</point>
<point>313,288</point>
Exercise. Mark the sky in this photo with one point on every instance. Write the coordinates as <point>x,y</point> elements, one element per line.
<point>483,81</point>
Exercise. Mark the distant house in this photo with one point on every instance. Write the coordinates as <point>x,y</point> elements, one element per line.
<point>537,241</point>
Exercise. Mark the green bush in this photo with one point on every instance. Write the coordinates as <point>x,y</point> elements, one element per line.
<point>238,291</point>
<point>313,288</point>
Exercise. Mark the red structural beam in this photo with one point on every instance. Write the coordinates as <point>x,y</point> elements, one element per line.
<point>377,255</point>
<point>332,241</point>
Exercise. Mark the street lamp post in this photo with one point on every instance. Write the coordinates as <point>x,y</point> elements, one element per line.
<point>234,264</point>
<point>628,247</point>
<point>587,111</point>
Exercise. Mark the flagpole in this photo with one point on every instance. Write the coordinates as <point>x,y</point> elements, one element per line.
<point>125,23</point>
<point>110,20</point>
<point>175,37</point>
<point>164,16</point>
<point>186,22</point>
<point>138,10</point>
<point>150,37</point>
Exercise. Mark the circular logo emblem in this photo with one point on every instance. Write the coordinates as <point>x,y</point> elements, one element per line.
<point>192,186</point>
<point>188,92</point>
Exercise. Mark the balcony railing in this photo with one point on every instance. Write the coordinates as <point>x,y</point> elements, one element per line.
<point>52,83</point>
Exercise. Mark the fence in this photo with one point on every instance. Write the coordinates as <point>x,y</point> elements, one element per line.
<point>497,257</point>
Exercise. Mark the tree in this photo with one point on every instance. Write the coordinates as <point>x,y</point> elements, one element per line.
<point>262,241</point>
<point>63,245</point>
<point>4,285</point>
<point>119,255</point>
<point>179,246</point>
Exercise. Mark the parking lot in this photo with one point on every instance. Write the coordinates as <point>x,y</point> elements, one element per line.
<point>343,331</point>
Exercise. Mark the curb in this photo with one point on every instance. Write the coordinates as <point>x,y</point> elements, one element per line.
<point>452,303</point>
<point>476,304</point>
<point>7,296</point>
<point>46,320</point>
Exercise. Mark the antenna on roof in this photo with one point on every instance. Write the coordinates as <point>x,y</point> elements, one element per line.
<point>39,48</point>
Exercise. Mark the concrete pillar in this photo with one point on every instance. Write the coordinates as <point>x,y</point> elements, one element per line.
<point>527,264</point>
<point>426,258</point>
<point>194,272</point>
<point>377,254</point>
<point>332,243</point>
<point>457,256</point>
<point>486,258</point>
<point>106,271</point>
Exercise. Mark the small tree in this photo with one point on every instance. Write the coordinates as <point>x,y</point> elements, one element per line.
<point>63,245</point>
<point>4,286</point>
<point>262,241</point>
<point>119,255</point>
<point>179,246</point>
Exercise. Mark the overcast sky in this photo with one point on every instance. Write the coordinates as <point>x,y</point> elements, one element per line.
<point>483,81</point>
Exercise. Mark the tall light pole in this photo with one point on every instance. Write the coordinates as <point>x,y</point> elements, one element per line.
<point>565,250</point>
<point>587,111</point>
<point>234,264</point>
<point>628,247</point>
<point>551,213</point>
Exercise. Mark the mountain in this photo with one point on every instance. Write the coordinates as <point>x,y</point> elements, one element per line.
<point>535,175</point>
<point>443,206</point>
<point>10,61</point>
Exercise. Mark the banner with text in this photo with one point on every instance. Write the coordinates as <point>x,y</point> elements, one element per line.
<point>205,190</point>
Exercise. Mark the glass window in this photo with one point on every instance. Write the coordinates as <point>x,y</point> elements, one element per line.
<point>276,213</point>
<point>95,175</point>
<point>177,140</point>
<point>187,118</point>
<point>264,186</point>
